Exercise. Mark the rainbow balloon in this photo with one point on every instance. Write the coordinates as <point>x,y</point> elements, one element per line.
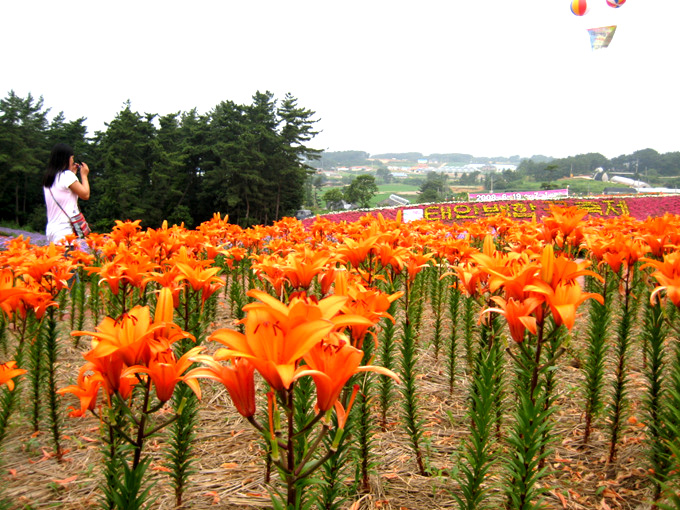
<point>615,3</point>
<point>579,7</point>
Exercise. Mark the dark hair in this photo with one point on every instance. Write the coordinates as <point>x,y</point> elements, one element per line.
<point>59,161</point>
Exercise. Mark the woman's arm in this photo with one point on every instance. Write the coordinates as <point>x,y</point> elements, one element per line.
<point>82,189</point>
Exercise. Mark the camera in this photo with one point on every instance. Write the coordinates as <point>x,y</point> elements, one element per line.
<point>78,160</point>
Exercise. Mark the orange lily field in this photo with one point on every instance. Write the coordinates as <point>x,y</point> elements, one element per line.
<point>349,362</point>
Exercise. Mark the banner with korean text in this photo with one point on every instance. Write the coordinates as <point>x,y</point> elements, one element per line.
<point>603,207</point>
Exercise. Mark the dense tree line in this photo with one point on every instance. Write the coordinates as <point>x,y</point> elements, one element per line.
<point>343,158</point>
<point>645,163</point>
<point>248,161</point>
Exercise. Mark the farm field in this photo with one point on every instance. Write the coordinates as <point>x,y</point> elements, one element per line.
<point>540,364</point>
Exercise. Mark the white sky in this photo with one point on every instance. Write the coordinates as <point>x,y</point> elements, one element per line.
<point>484,77</point>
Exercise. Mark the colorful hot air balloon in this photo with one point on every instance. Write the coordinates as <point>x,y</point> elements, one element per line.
<point>615,3</point>
<point>579,7</point>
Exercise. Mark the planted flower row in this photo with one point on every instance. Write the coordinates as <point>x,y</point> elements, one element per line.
<point>318,312</point>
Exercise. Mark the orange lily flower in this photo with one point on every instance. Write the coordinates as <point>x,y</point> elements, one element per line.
<point>517,314</point>
<point>110,368</point>
<point>614,259</point>
<point>168,278</point>
<point>237,376</point>
<point>25,297</point>
<point>86,390</point>
<point>342,413</point>
<point>562,269</point>
<point>656,234</point>
<point>41,263</point>
<point>126,231</point>
<point>300,267</point>
<point>667,274</point>
<point>110,272</point>
<point>566,270</point>
<point>127,266</point>
<point>626,251</point>
<point>356,251</point>
<point>469,278</point>
<point>392,256</point>
<point>331,367</point>
<point>268,267</point>
<point>277,335</point>
<point>164,316</point>
<point>136,267</point>
<point>161,244</point>
<point>205,280</point>
<point>128,337</point>
<point>563,300</point>
<point>370,303</point>
<point>455,250</point>
<point>8,292</point>
<point>166,371</point>
<point>416,262</point>
<point>327,277</point>
<point>565,219</point>
<point>8,371</point>
<point>511,271</point>
<point>235,254</point>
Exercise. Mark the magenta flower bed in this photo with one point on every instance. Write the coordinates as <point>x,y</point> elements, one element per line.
<point>606,207</point>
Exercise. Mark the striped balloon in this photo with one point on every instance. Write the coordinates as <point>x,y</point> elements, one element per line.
<point>579,7</point>
<point>615,3</point>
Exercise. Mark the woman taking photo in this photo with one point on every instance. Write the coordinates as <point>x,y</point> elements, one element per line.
<point>62,190</point>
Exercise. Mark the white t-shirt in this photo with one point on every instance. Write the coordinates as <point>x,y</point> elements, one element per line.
<point>58,225</point>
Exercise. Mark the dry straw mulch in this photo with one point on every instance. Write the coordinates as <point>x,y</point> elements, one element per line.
<point>229,467</point>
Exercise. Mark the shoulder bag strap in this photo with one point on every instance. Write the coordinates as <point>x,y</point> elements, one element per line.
<point>59,205</point>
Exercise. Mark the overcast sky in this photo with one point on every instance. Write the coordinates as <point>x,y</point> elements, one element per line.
<point>484,77</point>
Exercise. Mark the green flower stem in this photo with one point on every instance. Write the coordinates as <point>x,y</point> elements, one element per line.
<point>436,300</point>
<point>179,452</point>
<point>94,302</point>
<point>476,458</point>
<point>3,335</point>
<point>253,421</point>
<point>315,465</point>
<point>655,402</point>
<point>469,330</point>
<point>33,330</point>
<point>310,452</point>
<point>412,422</point>
<point>51,346</point>
<point>594,365</point>
<point>619,401</point>
<point>309,426</point>
<point>454,305</point>
<point>139,442</point>
<point>530,431</point>
<point>364,424</point>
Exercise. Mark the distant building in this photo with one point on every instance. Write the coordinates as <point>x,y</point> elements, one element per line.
<point>394,201</point>
<point>486,167</point>
<point>340,205</point>
<point>399,200</point>
<point>303,214</point>
<point>601,175</point>
<point>631,182</point>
